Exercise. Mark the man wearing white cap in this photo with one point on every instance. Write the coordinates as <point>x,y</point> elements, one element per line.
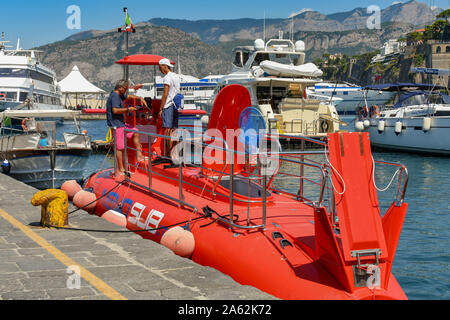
<point>169,112</point>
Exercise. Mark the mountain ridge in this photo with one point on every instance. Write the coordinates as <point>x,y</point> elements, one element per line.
<point>207,30</point>
<point>95,51</point>
<point>213,31</point>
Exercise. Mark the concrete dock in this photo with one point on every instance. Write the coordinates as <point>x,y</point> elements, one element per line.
<point>50,264</point>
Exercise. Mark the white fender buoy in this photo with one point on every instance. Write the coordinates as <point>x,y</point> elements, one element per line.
<point>381,126</point>
<point>366,124</point>
<point>116,218</point>
<point>258,72</point>
<point>205,120</point>
<point>85,200</point>
<point>398,127</point>
<point>359,126</point>
<point>180,241</point>
<point>426,124</point>
<point>71,188</point>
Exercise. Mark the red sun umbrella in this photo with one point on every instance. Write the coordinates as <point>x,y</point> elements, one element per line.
<point>142,60</point>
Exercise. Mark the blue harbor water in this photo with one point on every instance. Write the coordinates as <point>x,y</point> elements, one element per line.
<point>422,263</point>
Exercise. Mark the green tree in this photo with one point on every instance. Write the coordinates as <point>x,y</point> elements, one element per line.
<point>444,14</point>
<point>436,30</point>
<point>415,36</point>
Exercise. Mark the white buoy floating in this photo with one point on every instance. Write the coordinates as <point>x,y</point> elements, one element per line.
<point>366,124</point>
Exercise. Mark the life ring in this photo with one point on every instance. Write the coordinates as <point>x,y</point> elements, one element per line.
<point>24,124</point>
<point>2,96</point>
<point>324,126</point>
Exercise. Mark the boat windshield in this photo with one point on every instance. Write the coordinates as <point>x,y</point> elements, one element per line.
<point>421,98</point>
<point>414,100</point>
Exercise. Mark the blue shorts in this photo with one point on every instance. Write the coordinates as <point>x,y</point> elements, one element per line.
<point>170,118</point>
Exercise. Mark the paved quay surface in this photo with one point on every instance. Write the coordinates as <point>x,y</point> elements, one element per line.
<point>37,263</point>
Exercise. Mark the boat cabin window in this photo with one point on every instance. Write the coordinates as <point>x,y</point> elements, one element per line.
<point>238,59</point>
<point>245,56</point>
<point>260,57</point>
<point>9,95</point>
<point>23,96</point>
<point>25,73</point>
<point>159,92</point>
<point>38,98</point>
<point>273,97</point>
<point>35,75</point>
<point>13,73</point>
<point>442,114</point>
<point>286,58</point>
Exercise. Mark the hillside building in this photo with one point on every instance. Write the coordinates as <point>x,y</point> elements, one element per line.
<point>390,49</point>
<point>438,57</point>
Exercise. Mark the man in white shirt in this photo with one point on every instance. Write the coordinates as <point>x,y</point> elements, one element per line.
<point>169,112</point>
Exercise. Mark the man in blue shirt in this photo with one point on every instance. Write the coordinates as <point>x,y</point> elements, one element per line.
<point>115,112</point>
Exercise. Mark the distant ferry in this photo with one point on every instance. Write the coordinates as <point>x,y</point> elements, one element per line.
<point>25,83</point>
<point>352,96</point>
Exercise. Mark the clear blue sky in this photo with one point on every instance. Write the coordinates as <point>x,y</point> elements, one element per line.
<point>39,22</point>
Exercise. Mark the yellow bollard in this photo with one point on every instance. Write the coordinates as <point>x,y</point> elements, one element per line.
<point>55,207</point>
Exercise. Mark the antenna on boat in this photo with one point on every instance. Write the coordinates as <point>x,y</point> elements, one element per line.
<point>129,28</point>
<point>292,28</point>
<point>264,28</point>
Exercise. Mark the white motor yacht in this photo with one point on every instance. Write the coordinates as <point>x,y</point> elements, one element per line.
<point>351,96</point>
<point>275,74</point>
<point>26,83</point>
<point>419,122</point>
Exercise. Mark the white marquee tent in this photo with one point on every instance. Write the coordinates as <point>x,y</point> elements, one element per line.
<point>75,84</point>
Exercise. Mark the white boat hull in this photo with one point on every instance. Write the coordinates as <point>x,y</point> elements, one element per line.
<point>413,138</point>
<point>352,99</point>
<point>39,171</point>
